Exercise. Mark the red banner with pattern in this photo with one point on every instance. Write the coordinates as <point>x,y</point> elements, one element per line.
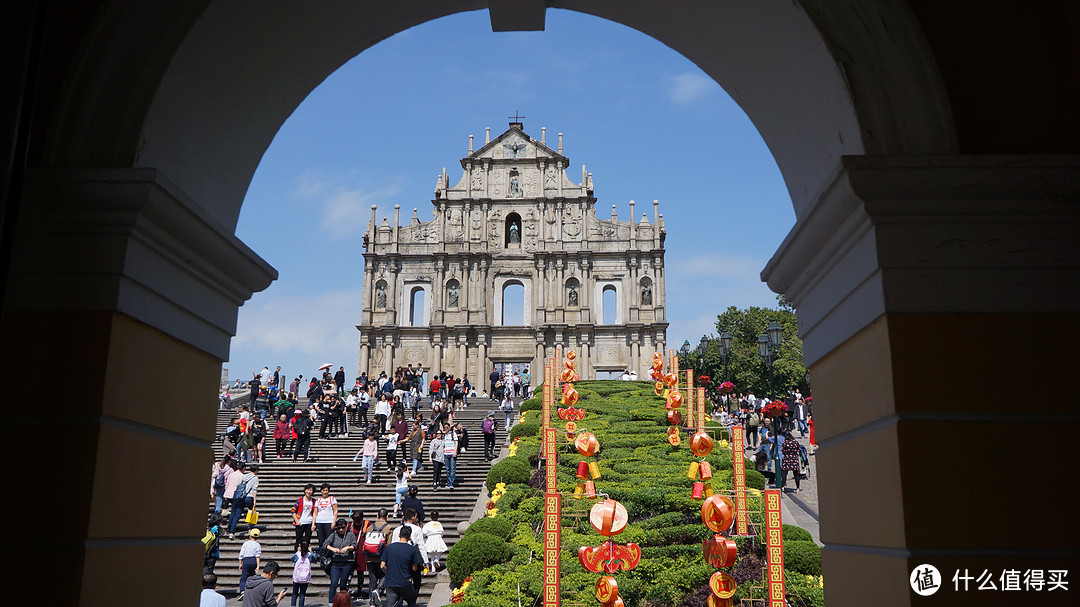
<point>774,547</point>
<point>741,527</point>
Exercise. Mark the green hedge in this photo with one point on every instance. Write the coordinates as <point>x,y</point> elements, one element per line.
<point>499,527</point>
<point>473,552</point>
<point>510,471</point>
<point>526,429</point>
<point>802,557</point>
<point>798,534</point>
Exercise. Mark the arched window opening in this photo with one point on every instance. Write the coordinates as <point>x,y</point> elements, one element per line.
<point>380,295</point>
<point>573,293</point>
<point>512,231</point>
<point>513,305</point>
<point>416,307</point>
<point>453,294</point>
<point>646,292</point>
<point>611,305</point>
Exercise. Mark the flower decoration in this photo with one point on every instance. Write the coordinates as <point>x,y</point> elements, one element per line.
<point>458,593</point>
<point>727,388</point>
<point>775,408</point>
<point>704,380</point>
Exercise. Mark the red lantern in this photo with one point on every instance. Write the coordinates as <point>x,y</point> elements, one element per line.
<point>607,589</point>
<point>719,551</point>
<point>701,443</point>
<point>698,491</point>
<point>587,444</point>
<point>671,379</point>
<point>582,470</point>
<point>674,417</point>
<point>571,355</point>
<point>590,489</point>
<point>717,513</point>
<point>722,585</point>
<point>658,388</point>
<point>569,375</point>
<point>608,517</point>
<point>570,397</point>
<point>715,601</point>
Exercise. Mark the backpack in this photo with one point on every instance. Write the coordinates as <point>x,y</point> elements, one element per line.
<point>219,479</point>
<point>303,425</point>
<point>375,541</point>
<point>301,572</point>
<point>242,489</point>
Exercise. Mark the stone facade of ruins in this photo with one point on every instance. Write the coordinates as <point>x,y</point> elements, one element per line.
<point>434,291</point>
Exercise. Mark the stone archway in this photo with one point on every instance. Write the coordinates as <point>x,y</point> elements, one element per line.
<point>907,260</point>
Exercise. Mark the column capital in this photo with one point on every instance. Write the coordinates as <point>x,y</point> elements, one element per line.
<point>131,241</point>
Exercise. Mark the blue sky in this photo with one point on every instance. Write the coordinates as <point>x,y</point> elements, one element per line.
<point>646,122</point>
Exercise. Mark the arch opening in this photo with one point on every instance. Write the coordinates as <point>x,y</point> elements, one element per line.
<point>417,307</point>
<point>513,304</point>
<point>610,305</point>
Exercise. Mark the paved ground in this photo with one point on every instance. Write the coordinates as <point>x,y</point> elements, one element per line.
<point>801,508</point>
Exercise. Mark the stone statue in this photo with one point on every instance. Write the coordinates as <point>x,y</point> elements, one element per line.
<point>514,234</point>
<point>452,298</point>
<point>646,295</point>
<point>515,191</point>
<point>572,298</point>
<point>380,296</point>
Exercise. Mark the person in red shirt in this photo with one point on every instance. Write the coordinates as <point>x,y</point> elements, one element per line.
<point>433,389</point>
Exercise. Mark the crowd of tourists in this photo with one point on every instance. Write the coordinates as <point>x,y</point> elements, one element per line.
<point>402,434</point>
<point>771,437</point>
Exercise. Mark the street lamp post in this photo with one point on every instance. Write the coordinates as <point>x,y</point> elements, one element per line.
<point>725,351</point>
<point>768,347</point>
<point>701,353</point>
<point>684,351</point>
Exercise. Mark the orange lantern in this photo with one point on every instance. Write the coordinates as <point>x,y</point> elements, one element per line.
<point>587,444</point>
<point>674,417</point>
<point>607,589</point>
<point>671,379</point>
<point>594,470</point>
<point>658,388</point>
<point>578,490</point>
<point>693,471</point>
<point>701,443</point>
<point>708,490</point>
<point>719,551</point>
<point>590,489</point>
<point>569,375</point>
<point>674,399</point>
<point>717,513</point>
<point>705,470</point>
<point>673,439</point>
<point>715,601</point>
<point>722,585</point>
<point>571,355</point>
<point>608,517</point>
<point>570,397</point>
<point>658,364</point>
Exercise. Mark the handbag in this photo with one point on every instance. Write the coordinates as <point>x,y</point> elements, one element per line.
<point>252,517</point>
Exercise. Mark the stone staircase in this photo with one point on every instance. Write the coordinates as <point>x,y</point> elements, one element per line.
<point>281,482</point>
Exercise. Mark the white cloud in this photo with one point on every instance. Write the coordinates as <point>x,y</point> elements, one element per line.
<point>297,332</point>
<point>688,87</point>
<point>703,286</point>
<point>347,204</point>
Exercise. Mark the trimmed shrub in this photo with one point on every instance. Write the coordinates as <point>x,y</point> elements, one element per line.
<point>473,552</point>
<point>802,557</point>
<point>510,471</point>
<point>754,479</point>
<point>526,429</point>
<point>535,403</point>
<point>499,527</point>
<point>798,534</point>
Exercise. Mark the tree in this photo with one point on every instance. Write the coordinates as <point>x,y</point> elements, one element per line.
<point>746,369</point>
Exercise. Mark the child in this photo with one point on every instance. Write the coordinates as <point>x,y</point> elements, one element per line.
<point>250,553</point>
<point>212,543</point>
<point>433,540</point>
<point>401,487</point>
<point>301,574</point>
<point>391,450</point>
<point>368,451</point>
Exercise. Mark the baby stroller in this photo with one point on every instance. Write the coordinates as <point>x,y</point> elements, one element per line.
<point>804,463</point>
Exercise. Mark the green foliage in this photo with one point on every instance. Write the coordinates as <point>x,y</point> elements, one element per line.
<point>745,367</point>
<point>526,429</point>
<point>803,590</point>
<point>802,557</point>
<point>499,527</point>
<point>473,552</point>
<point>535,403</point>
<point>798,534</point>
<point>641,470</point>
<point>510,470</point>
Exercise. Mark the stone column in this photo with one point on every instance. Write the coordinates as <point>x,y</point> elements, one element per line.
<point>481,359</point>
<point>537,370</point>
<point>463,355</point>
<point>388,355</point>
<point>365,356</point>
<point>436,359</point>
<point>921,283</point>
<point>585,364</point>
<point>466,286</point>
<point>560,289</point>
<point>659,290</point>
<point>635,352</point>
<point>118,280</point>
<point>392,300</point>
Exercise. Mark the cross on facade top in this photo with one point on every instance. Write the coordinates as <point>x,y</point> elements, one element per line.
<point>515,117</point>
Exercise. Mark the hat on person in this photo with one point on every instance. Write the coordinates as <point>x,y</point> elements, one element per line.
<point>254,533</point>
<point>491,414</point>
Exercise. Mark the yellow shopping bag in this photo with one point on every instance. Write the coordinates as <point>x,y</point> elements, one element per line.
<point>252,517</point>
